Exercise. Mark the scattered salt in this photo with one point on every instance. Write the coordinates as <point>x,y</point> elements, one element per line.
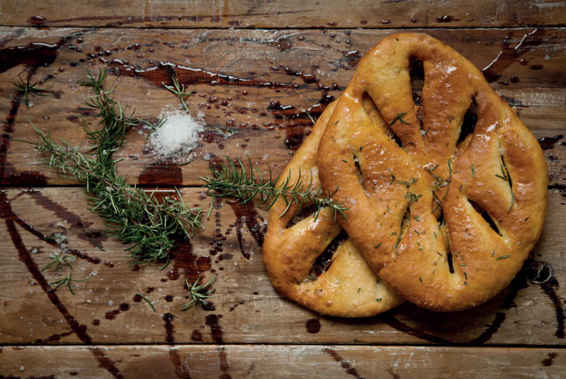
<point>177,137</point>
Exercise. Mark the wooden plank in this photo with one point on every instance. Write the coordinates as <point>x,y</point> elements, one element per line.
<point>281,14</point>
<point>105,309</point>
<point>319,64</point>
<point>289,361</point>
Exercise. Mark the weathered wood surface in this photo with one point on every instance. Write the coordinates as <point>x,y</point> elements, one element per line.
<point>319,64</point>
<point>306,55</point>
<point>289,361</point>
<point>281,13</point>
<point>248,310</point>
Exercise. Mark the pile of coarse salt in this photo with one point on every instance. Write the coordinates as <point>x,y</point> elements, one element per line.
<point>177,137</point>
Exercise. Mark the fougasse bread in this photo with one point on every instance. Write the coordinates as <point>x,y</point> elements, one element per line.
<point>443,209</point>
<point>347,287</point>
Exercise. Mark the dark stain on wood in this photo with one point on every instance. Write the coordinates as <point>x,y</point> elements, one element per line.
<point>547,362</point>
<point>212,321</point>
<point>510,54</point>
<point>547,143</point>
<point>313,325</point>
<point>162,174</point>
<point>347,366</point>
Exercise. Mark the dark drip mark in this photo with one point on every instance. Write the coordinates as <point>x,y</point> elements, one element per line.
<point>184,259</point>
<point>549,289</point>
<point>180,370</point>
<point>541,273</point>
<point>48,239</point>
<point>33,55</point>
<point>223,360</point>
<point>53,338</point>
<point>450,260</point>
<point>196,336</point>
<point>13,178</point>
<point>111,315</point>
<point>169,328</point>
<point>547,362</point>
<point>247,214</point>
<point>393,374</point>
<point>164,175</point>
<point>313,325</point>
<point>509,54</point>
<point>302,214</point>
<point>560,187</point>
<point>486,216</point>
<point>547,143</point>
<point>347,366</point>
<point>469,122</point>
<point>84,256</point>
<point>114,21</point>
<point>215,328</point>
<point>190,76</point>
<point>324,260</point>
<point>25,257</point>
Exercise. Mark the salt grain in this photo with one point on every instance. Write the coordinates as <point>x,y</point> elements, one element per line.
<point>177,137</point>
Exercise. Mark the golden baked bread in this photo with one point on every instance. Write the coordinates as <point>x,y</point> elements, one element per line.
<point>443,213</point>
<point>348,288</point>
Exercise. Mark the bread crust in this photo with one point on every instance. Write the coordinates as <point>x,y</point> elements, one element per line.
<point>399,193</point>
<point>349,288</point>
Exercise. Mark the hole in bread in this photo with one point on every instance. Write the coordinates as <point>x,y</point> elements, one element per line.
<point>417,74</point>
<point>373,113</point>
<point>358,167</point>
<point>404,225</point>
<point>324,260</point>
<point>450,260</point>
<point>301,215</point>
<point>469,122</point>
<point>485,215</point>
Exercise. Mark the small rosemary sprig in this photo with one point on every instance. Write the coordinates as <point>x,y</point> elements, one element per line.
<point>199,292</point>
<point>58,261</point>
<point>236,181</point>
<point>149,225</point>
<point>26,89</point>
<point>178,90</point>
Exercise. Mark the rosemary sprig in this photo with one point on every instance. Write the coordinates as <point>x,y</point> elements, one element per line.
<point>58,261</point>
<point>26,89</point>
<point>66,281</point>
<point>136,217</point>
<point>236,181</point>
<point>178,90</point>
<point>198,292</point>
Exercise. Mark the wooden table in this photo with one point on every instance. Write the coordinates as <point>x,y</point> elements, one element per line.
<point>284,57</point>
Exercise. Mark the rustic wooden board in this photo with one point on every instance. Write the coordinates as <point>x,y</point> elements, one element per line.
<point>248,310</point>
<point>289,361</point>
<point>320,64</point>
<point>281,13</point>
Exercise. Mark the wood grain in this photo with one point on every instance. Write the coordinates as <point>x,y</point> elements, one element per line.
<point>248,310</point>
<point>270,69</point>
<point>289,361</point>
<point>282,14</point>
